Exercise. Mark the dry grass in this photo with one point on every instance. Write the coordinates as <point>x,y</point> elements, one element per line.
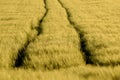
<point>58,44</point>
<point>17,22</point>
<point>73,73</point>
<point>49,39</point>
<point>98,21</point>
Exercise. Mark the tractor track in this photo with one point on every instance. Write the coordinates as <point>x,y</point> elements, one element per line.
<point>83,46</point>
<point>22,52</point>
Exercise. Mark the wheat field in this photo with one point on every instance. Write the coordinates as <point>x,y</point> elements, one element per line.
<point>59,40</point>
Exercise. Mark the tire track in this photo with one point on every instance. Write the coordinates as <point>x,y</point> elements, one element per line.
<point>86,53</point>
<point>22,52</point>
<point>58,43</point>
<point>39,29</point>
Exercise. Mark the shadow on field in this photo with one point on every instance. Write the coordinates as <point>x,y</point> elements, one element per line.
<point>83,45</point>
<point>22,52</point>
<point>21,56</point>
<point>39,30</point>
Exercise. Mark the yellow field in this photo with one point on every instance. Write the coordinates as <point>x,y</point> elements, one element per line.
<point>98,23</point>
<point>59,40</point>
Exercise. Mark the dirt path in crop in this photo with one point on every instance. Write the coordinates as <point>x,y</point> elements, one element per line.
<point>22,52</point>
<point>18,28</point>
<point>82,44</point>
<point>57,46</point>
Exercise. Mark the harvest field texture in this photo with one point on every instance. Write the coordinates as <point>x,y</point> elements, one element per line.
<point>59,40</point>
